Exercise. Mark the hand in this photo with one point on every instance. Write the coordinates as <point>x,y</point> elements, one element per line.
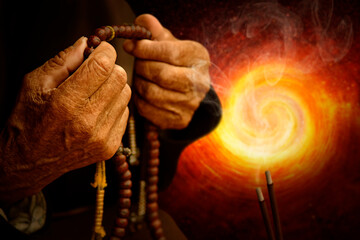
<point>69,114</point>
<point>172,76</point>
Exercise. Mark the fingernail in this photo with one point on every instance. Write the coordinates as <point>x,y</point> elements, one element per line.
<point>79,42</point>
<point>129,45</point>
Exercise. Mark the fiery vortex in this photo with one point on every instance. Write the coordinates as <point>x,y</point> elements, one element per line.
<point>270,120</point>
<point>290,97</point>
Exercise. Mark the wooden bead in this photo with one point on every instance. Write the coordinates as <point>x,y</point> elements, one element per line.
<point>121,30</point>
<point>93,41</point>
<point>139,32</point>
<point>125,184</point>
<point>119,159</point>
<point>152,188</point>
<point>108,32</point>
<point>155,144</point>
<point>121,222</point>
<point>124,202</point>
<point>123,212</point>
<point>125,193</point>
<point>152,135</point>
<point>118,231</point>
<point>127,32</point>
<point>152,207</point>
<point>88,51</point>
<point>116,29</point>
<point>155,224</point>
<point>153,216</point>
<point>101,33</point>
<point>148,35</point>
<point>153,171</point>
<point>154,162</point>
<point>126,175</point>
<point>122,168</point>
<point>159,233</point>
<point>154,153</point>
<point>153,197</point>
<point>153,180</point>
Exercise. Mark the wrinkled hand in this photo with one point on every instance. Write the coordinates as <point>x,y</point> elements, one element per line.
<point>172,76</point>
<point>69,114</point>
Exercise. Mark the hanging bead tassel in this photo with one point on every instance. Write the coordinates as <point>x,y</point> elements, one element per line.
<point>100,184</point>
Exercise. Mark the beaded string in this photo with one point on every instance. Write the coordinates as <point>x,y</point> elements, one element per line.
<point>108,33</point>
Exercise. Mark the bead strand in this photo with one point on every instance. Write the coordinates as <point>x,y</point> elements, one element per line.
<point>108,33</point>
<point>152,206</point>
<point>124,202</point>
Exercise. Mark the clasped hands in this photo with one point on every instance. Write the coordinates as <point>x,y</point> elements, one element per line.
<point>71,113</point>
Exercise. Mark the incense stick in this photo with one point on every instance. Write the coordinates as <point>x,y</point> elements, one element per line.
<point>274,208</point>
<point>265,214</point>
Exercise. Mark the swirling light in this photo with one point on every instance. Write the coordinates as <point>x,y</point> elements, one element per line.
<point>271,117</point>
<point>290,98</point>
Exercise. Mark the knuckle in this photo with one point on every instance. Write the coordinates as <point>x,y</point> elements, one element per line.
<point>162,75</point>
<point>108,149</point>
<point>85,125</point>
<point>104,146</point>
<point>127,92</point>
<point>100,65</point>
<point>147,93</point>
<point>182,120</point>
<point>144,90</point>
<point>202,52</point>
<point>58,60</point>
<point>175,55</point>
<point>120,75</point>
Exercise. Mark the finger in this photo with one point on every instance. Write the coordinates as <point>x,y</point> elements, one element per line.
<point>118,130</point>
<point>57,69</point>
<point>151,23</point>
<point>111,89</point>
<point>115,132</point>
<point>178,53</point>
<point>180,79</point>
<point>90,75</point>
<point>165,75</point>
<point>160,117</point>
<point>163,98</point>
<point>114,109</point>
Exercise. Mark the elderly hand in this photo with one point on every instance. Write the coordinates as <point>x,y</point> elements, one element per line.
<point>69,114</point>
<point>171,78</point>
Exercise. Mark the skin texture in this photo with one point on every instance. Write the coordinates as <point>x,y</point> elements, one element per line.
<point>172,76</point>
<point>69,114</point>
<point>72,113</point>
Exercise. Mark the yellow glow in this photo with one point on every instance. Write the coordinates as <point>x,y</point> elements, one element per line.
<point>266,118</point>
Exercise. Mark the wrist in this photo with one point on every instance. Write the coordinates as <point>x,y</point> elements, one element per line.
<point>14,183</point>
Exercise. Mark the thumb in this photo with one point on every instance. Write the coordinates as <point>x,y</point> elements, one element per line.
<point>151,23</point>
<point>52,73</point>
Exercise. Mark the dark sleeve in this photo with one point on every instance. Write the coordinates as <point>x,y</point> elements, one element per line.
<point>173,142</point>
<point>8,232</point>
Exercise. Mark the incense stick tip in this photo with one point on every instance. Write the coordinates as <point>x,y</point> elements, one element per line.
<point>268,177</point>
<point>260,194</point>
